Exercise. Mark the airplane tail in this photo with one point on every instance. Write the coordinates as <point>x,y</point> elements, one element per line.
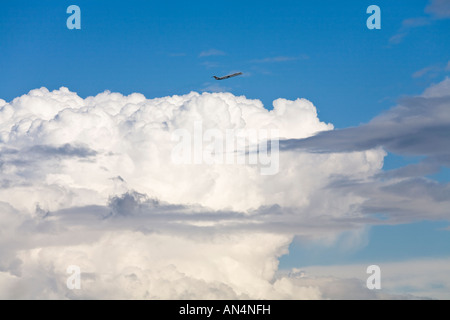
<point>217,78</point>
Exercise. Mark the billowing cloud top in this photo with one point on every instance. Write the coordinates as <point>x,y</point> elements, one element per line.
<point>74,148</point>
<point>91,182</point>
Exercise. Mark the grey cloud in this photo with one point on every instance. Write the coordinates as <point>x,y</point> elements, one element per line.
<point>20,165</point>
<point>425,167</point>
<point>134,211</point>
<point>138,212</point>
<point>28,155</point>
<point>438,90</point>
<point>399,201</point>
<point>66,150</point>
<point>419,126</point>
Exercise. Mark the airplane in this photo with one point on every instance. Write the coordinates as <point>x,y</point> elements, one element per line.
<point>229,76</point>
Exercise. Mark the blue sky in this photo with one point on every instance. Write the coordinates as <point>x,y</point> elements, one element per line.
<point>325,52</point>
<point>318,50</point>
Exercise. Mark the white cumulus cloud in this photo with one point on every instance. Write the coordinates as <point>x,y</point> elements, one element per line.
<point>91,182</point>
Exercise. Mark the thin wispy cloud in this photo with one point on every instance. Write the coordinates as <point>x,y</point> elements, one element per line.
<point>439,9</point>
<point>432,71</point>
<point>407,26</point>
<point>422,72</point>
<point>210,64</point>
<point>415,22</point>
<point>213,87</point>
<point>397,38</point>
<point>436,9</point>
<point>177,54</point>
<point>280,59</point>
<point>211,52</point>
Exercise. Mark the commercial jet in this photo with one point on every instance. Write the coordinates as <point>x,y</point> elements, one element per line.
<point>228,76</point>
